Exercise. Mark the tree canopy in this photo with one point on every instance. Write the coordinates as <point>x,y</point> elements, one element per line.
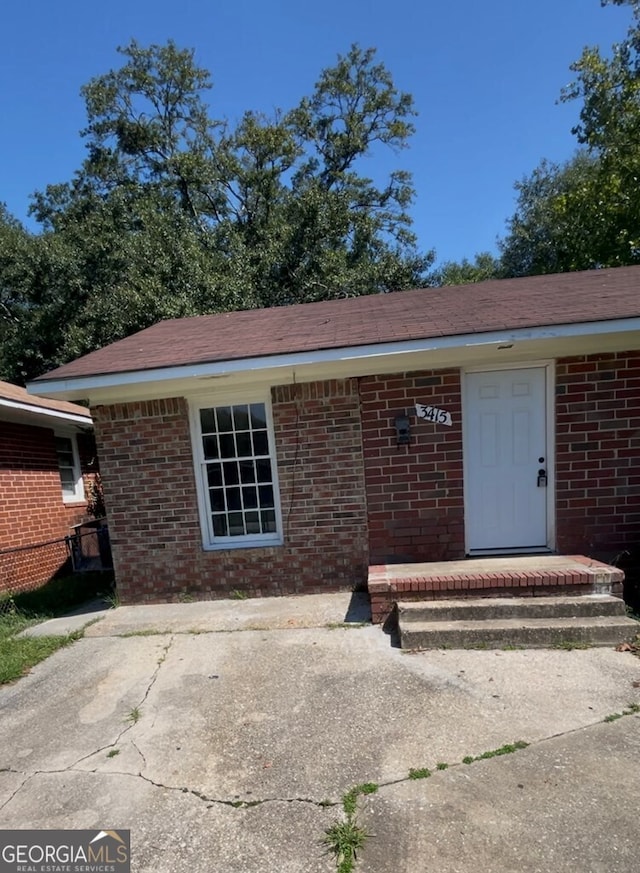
<point>175,212</point>
<point>585,213</point>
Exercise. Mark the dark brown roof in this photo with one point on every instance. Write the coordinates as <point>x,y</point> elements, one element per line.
<point>15,394</point>
<point>507,304</point>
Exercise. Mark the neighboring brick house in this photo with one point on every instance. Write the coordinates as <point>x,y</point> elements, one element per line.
<point>286,450</point>
<point>46,449</point>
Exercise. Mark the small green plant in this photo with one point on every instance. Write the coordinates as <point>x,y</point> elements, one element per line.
<point>112,753</point>
<point>421,773</point>
<point>344,839</point>
<point>346,625</point>
<point>236,594</point>
<point>507,749</point>
<point>441,766</point>
<point>632,709</point>
<point>112,599</point>
<point>570,645</point>
<point>613,717</point>
<point>134,715</point>
<point>185,597</point>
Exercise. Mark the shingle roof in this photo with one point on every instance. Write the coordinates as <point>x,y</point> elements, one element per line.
<point>506,304</point>
<point>15,394</point>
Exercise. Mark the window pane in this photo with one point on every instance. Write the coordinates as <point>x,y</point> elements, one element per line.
<point>210,446</point>
<point>214,475</point>
<point>207,421</point>
<point>216,495</point>
<point>67,478</point>
<point>69,473</point>
<point>243,441</point>
<point>263,469</point>
<point>250,498</point>
<point>260,443</point>
<point>225,422</point>
<point>268,521</point>
<point>266,496</point>
<point>247,471</point>
<point>241,417</point>
<point>68,483</point>
<point>220,525</point>
<point>252,521</point>
<point>227,446</point>
<point>258,416</point>
<point>230,472</point>
<point>236,524</point>
<point>233,498</point>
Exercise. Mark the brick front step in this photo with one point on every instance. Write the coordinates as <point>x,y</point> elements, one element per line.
<point>528,576</point>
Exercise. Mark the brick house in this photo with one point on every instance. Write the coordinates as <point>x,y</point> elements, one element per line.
<point>288,450</point>
<point>46,450</point>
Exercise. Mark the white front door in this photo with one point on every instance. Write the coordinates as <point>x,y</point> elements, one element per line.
<point>505,452</point>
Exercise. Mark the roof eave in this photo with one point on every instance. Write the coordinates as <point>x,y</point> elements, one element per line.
<point>81,386</point>
<point>45,411</point>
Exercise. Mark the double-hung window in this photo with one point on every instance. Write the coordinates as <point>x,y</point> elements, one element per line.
<point>237,475</point>
<point>69,468</point>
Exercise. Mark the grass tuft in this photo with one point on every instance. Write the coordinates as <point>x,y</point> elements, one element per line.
<point>344,839</point>
<point>420,773</point>
<point>507,749</point>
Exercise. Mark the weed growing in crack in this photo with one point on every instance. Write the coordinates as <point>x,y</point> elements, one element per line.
<point>507,749</point>
<point>112,753</point>
<point>420,773</point>
<point>346,625</point>
<point>134,715</point>
<point>441,766</point>
<point>570,645</point>
<point>632,709</point>
<point>344,838</point>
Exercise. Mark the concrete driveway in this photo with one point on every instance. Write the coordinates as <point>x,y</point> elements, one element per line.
<point>223,735</point>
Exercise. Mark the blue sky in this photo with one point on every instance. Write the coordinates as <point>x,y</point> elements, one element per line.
<point>485,78</point>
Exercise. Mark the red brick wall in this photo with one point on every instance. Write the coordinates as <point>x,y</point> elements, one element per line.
<point>598,452</point>
<point>146,462</point>
<point>414,492</point>
<point>32,511</point>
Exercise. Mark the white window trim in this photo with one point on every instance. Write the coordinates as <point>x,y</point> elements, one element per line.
<point>231,398</point>
<point>78,495</point>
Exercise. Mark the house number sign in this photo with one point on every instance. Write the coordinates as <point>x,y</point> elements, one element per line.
<point>432,413</point>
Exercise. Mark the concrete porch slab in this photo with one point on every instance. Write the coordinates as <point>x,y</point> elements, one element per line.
<point>527,575</point>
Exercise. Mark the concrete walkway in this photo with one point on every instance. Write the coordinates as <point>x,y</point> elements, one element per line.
<point>224,735</point>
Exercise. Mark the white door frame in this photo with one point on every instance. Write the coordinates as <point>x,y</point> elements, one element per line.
<point>550,465</point>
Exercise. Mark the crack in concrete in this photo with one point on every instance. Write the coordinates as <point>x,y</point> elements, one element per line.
<point>132,723</point>
<point>237,803</point>
<point>27,776</point>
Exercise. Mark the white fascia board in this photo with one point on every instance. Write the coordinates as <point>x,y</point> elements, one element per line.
<point>82,385</point>
<point>41,410</point>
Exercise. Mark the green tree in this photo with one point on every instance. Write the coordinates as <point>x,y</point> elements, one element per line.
<point>484,266</point>
<point>176,213</point>
<point>585,213</point>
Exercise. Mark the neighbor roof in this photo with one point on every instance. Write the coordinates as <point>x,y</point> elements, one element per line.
<point>505,304</point>
<point>18,398</point>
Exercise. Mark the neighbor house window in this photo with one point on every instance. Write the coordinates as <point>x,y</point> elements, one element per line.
<point>238,475</point>
<point>69,467</point>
